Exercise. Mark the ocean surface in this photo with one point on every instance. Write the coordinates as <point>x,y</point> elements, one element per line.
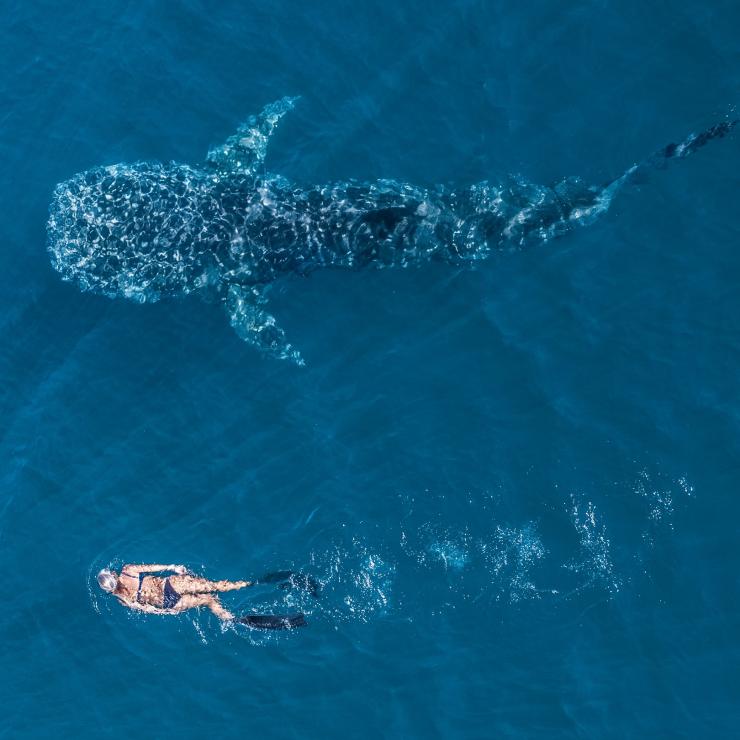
<point>517,484</point>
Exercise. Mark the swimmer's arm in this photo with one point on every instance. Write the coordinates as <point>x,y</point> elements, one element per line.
<point>134,570</point>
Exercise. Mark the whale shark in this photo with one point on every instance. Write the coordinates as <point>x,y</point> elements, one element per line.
<point>228,228</point>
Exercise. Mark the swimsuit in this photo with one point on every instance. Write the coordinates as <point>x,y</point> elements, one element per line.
<point>170,596</point>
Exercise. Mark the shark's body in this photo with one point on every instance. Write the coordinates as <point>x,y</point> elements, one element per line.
<point>150,230</point>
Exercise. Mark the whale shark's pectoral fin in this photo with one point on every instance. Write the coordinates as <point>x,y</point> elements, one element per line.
<point>255,325</point>
<point>245,151</point>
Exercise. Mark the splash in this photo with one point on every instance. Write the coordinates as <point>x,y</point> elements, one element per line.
<point>498,565</point>
<point>437,545</point>
<point>660,495</point>
<point>355,580</point>
<point>512,555</point>
<point>594,562</point>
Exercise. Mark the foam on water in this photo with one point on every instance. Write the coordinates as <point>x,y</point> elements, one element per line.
<point>356,582</point>
<point>661,496</point>
<point>594,560</point>
<point>512,555</point>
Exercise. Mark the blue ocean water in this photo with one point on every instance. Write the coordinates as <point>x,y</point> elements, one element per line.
<point>517,484</point>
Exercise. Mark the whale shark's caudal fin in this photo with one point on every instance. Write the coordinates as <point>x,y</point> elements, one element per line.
<point>245,151</point>
<point>662,157</point>
<point>245,307</point>
<point>581,204</point>
<point>696,141</point>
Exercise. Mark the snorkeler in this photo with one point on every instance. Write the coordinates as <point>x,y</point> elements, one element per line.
<point>136,588</point>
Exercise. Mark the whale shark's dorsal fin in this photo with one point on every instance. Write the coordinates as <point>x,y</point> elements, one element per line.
<point>244,152</point>
<point>245,307</point>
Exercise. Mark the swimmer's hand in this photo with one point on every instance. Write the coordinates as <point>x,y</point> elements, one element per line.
<point>180,570</point>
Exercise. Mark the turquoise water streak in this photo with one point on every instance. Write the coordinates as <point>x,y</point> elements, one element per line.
<point>517,484</point>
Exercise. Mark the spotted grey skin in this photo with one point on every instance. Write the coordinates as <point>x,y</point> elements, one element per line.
<point>145,231</point>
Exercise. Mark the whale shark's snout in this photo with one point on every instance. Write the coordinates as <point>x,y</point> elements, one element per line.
<point>124,230</point>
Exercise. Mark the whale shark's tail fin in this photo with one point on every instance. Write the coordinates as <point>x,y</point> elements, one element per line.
<point>576,203</point>
<point>693,142</point>
<point>658,160</point>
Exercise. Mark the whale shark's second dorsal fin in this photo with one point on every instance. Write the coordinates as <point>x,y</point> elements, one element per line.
<point>245,307</point>
<point>244,152</point>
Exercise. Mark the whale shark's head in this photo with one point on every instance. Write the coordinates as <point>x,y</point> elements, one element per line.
<point>131,230</point>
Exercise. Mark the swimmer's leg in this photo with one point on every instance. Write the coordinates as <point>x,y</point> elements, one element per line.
<point>257,621</point>
<point>194,585</point>
<point>196,601</point>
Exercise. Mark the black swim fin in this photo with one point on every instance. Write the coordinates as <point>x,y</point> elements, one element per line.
<point>288,579</point>
<point>276,577</point>
<point>273,621</point>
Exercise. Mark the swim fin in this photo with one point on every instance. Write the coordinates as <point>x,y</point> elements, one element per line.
<point>276,577</point>
<point>273,621</point>
<point>288,579</point>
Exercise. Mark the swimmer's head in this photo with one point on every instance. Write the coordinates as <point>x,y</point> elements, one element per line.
<point>107,580</point>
